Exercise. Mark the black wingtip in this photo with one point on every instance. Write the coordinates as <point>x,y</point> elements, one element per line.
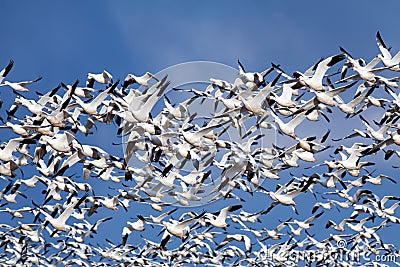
<point>335,59</point>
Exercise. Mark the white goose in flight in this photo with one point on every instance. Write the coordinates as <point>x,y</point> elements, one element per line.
<point>254,77</point>
<point>141,80</point>
<point>285,99</point>
<point>91,107</point>
<point>288,128</point>
<point>220,220</point>
<point>104,78</point>
<point>385,56</point>
<point>287,199</point>
<point>364,71</point>
<point>6,70</point>
<point>6,152</point>
<point>178,229</point>
<point>319,69</point>
<point>59,223</point>
<point>20,86</point>
<point>61,142</point>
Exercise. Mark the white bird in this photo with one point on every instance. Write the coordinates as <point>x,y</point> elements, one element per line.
<point>376,180</point>
<point>141,80</point>
<point>84,92</point>
<point>287,199</point>
<point>6,153</point>
<point>306,224</point>
<point>178,229</point>
<point>220,220</point>
<point>349,108</point>
<point>319,69</point>
<point>254,77</point>
<point>139,108</point>
<point>20,86</point>
<point>104,78</point>
<point>60,142</point>
<point>238,238</point>
<point>274,233</point>
<point>133,226</point>
<point>289,127</point>
<point>6,70</point>
<point>385,56</point>
<point>91,107</point>
<point>364,71</point>
<point>285,99</point>
<point>326,98</point>
<point>59,223</point>
<point>31,182</point>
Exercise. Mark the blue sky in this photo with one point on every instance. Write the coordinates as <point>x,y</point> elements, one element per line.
<point>64,41</point>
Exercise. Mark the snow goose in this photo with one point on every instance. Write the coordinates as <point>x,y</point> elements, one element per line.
<point>141,80</point>
<point>16,128</point>
<point>189,194</point>
<point>91,107</point>
<point>140,107</point>
<point>379,134</point>
<point>391,209</point>
<point>133,226</point>
<point>274,234</point>
<point>59,223</point>
<point>326,98</point>
<point>6,70</point>
<point>31,182</point>
<point>20,86</point>
<point>160,218</point>
<point>359,226</point>
<point>287,199</point>
<point>199,137</point>
<point>285,99</point>
<point>220,220</point>
<point>385,56</point>
<point>325,205</point>
<point>306,224</point>
<point>255,104</point>
<point>84,92</point>
<point>11,198</point>
<point>11,146</point>
<point>238,238</point>
<point>353,161</point>
<point>315,82</point>
<point>288,128</point>
<point>254,77</point>
<point>349,108</point>
<point>364,71</point>
<point>178,229</point>
<point>61,142</point>
<point>394,138</point>
<point>376,180</point>
<point>104,78</point>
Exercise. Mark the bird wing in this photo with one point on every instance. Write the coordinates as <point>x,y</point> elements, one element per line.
<point>296,120</point>
<point>325,64</point>
<point>224,212</point>
<point>70,209</point>
<point>12,145</point>
<point>23,84</point>
<point>382,47</point>
<point>103,95</point>
<point>6,70</point>
<point>353,103</point>
<point>341,89</point>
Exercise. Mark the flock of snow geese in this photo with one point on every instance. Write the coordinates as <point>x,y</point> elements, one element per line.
<point>184,192</point>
